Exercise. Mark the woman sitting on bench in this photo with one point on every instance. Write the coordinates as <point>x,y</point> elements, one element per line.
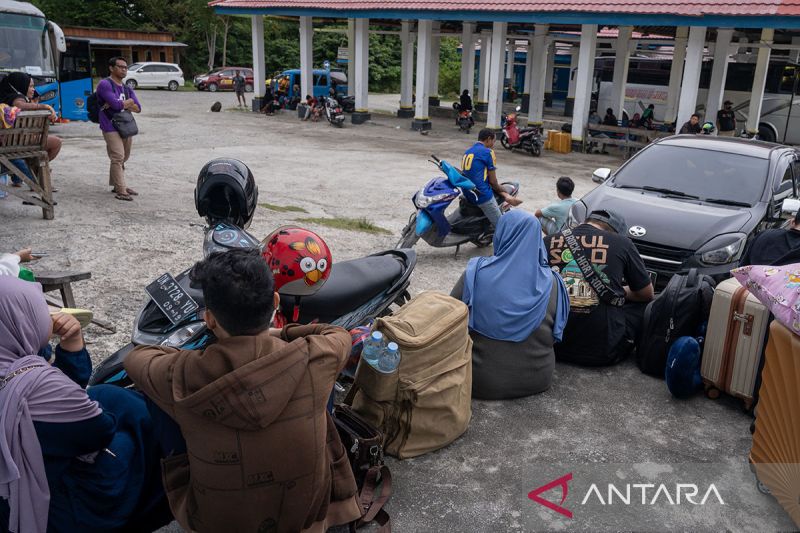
<point>17,90</point>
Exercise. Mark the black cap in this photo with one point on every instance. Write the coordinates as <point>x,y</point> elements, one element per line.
<point>614,220</point>
<point>727,102</point>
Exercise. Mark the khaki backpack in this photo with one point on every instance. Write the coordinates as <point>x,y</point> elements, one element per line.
<point>426,404</point>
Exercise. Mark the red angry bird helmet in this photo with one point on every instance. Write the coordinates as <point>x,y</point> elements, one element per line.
<point>299,260</point>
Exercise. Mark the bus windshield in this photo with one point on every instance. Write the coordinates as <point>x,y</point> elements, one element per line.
<point>24,45</point>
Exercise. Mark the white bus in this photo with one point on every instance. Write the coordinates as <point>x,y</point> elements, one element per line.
<point>648,80</point>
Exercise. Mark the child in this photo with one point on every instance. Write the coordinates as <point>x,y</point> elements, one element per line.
<point>554,216</point>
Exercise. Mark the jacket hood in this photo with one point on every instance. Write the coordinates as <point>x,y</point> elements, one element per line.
<point>241,382</point>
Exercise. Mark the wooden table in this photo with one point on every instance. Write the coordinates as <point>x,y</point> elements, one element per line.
<point>62,282</point>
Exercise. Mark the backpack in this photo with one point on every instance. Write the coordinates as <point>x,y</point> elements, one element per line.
<point>682,372</point>
<point>426,404</point>
<point>677,312</point>
<point>93,108</point>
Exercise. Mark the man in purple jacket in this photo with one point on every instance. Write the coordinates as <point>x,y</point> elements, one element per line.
<point>112,97</point>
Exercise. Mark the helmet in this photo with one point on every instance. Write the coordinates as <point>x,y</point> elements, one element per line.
<point>226,192</point>
<point>299,259</point>
<point>708,128</point>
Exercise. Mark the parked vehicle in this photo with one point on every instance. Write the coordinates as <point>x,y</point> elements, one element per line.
<point>333,112</point>
<point>464,119</point>
<point>467,224</point>
<point>287,80</point>
<point>528,139</point>
<point>697,201</point>
<point>222,79</point>
<point>152,74</point>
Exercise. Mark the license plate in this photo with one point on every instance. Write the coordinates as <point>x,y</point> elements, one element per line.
<point>653,277</point>
<point>170,297</point>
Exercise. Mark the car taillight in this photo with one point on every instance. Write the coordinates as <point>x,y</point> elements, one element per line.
<point>338,109</point>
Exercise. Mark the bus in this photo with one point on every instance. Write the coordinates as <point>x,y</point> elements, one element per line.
<point>648,81</point>
<point>32,44</point>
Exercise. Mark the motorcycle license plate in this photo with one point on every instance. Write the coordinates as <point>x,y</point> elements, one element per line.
<point>170,297</point>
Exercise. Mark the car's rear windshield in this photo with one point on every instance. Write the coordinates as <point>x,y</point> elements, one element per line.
<point>706,174</point>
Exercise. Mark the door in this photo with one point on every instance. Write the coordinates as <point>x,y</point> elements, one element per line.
<point>146,76</point>
<point>226,80</point>
<point>75,79</point>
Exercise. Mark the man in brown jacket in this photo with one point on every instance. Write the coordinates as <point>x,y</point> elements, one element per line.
<point>263,453</point>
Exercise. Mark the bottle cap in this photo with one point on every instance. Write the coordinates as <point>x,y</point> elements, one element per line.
<point>393,346</point>
<point>377,335</point>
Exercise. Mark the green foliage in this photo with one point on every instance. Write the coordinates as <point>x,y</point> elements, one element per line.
<point>351,224</point>
<point>449,67</point>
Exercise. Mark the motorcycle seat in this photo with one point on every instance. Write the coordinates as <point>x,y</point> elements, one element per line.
<point>350,285</point>
<point>468,209</point>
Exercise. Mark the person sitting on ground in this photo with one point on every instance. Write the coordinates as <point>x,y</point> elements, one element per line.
<point>311,103</point>
<point>69,461</point>
<point>554,216</point>
<point>478,165</point>
<point>692,126</point>
<point>16,90</point>
<point>517,309</point>
<point>252,410</point>
<point>268,102</point>
<point>610,119</point>
<point>775,247</point>
<point>295,99</point>
<point>465,101</point>
<point>603,326</point>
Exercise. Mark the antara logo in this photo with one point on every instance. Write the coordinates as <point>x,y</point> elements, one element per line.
<point>626,494</point>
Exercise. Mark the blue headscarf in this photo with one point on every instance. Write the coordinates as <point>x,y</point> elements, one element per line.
<point>508,293</point>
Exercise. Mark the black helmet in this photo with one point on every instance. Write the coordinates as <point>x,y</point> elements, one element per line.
<point>226,192</point>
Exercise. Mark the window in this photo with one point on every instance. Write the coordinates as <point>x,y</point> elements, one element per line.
<point>148,68</point>
<point>148,56</point>
<point>135,56</point>
<point>786,183</point>
<point>162,56</point>
<point>320,80</point>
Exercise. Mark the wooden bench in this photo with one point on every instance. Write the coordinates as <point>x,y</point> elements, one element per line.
<point>631,139</point>
<point>62,282</point>
<point>27,140</point>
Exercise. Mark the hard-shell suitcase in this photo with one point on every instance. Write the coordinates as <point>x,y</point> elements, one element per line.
<point>734,342</point>
<point>775,455</point>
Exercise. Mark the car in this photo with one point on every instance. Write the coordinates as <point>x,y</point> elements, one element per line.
<point>153,74</point>
<point>696,201</point>
<point>222,79</point>
<point>287,79</point>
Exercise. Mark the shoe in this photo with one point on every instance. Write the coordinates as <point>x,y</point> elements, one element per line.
<point>131,192</point>
<point>124,197</point>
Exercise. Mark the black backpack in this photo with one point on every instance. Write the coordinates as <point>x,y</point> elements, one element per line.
<point>678,311</point>
<point>93,107</point>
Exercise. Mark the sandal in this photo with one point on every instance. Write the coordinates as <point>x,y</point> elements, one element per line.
<point>132,192</point>
<point>123,197</point>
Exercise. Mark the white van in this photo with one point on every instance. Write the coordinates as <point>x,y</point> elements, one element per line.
<point>153,74</point>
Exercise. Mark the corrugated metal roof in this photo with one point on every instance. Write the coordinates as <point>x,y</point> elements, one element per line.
<point>128,42</point>
<point>660,7</point>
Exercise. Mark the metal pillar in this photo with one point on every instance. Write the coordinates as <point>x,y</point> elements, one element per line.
<point>306,57</point>
<point>573,78</point>
<point>621,62</point>
<point>676,74</point>
<point>719,71</point>
<point>351,57</point>
<point>406,72</point>
<point>548,77</point>
<point>583,83</point>
<point>468,58</point>
<point>257,33</point>
<point>422,120</point>
<point>361,113</point>
<point>537,77</point>
<point>481,102</point>
<point>436,43</point>
<point>687,102</point>
<point>496,75</point>
<point>759,81</point>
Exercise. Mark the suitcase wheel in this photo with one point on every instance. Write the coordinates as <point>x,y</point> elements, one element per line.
<point>747,405</point>
<point>763,489</point>
<point>752,427</point>
<point>712,393</point>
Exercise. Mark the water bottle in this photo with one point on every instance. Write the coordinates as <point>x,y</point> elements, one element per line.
<point>4,181</point>
<point>390,358</point>
<point>373,347</point>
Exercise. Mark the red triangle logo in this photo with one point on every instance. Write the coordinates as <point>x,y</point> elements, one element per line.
<point>560,482</point>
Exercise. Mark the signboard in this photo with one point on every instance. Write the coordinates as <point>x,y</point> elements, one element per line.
<point>343,54</point>
<point>170,297</point>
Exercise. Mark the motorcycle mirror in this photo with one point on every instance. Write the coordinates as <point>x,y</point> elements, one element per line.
<point>790,206</point>
<point>601,174</point>
<point>435,158</point>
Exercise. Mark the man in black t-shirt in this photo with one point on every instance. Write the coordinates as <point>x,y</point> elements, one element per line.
<point>776,247</point>
<point>726,120</point>
<point>599,333</point>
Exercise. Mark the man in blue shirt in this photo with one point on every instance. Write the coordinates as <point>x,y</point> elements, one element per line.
<point>554,216</point>
<point>478,165</point>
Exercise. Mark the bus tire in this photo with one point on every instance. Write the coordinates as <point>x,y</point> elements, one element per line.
<point>766,133</point>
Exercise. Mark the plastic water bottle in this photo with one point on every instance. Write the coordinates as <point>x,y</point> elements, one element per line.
<point>390,358</point>
<point>373,347</point>
<point>4,181</point>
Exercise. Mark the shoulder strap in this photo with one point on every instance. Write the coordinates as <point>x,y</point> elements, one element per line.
<point>792,256</point>
<point>371,506</point>
<point>603,291</point>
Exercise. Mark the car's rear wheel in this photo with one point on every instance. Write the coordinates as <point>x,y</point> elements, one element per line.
<point>131,84</point>
<point>212,87</point>
<point>173,85</point>
<point>248,87</point>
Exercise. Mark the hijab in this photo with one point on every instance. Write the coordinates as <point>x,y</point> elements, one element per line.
<point>14,86</point>
<point>508,293</point>
<point>36,392</point>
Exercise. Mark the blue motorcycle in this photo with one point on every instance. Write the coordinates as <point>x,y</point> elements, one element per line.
<point>431,222</point>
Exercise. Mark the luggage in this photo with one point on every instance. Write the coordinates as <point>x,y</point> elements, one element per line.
<point>548,142</point>
<point>561,143</point>
<point>734,343</point>
<point>678,311</point>
<point>426,403</point>
<point>775,455</point>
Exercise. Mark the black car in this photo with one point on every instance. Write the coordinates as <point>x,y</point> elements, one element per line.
<point>696,201</point>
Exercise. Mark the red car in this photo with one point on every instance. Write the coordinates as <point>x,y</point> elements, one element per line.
<point>222,80</point>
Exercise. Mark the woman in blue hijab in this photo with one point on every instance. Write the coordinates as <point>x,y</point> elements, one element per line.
<point>518,308</point>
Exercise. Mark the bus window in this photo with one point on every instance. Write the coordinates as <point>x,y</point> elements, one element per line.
<point>788,80</point>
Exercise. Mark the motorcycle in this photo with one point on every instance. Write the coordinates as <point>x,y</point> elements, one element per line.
<point>466,224</point>
<point>356,291</point>
<point>512,137</point>
<point>333,112</point>
<point>464,119</point>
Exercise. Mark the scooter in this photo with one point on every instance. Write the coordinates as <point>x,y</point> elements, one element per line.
<point>467,224</point>
<point>464,119</point>
<point>529,139</point>
<point>333,112</point>
<point>356,291</point>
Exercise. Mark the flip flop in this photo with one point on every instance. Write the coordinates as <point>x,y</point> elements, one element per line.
<point>132,192</point>
<point>123,197</point>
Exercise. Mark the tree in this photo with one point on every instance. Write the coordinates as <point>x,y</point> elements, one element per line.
<point>226,25</point>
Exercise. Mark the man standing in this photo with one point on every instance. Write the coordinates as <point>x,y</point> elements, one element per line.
<point>726,120</point>
<point>478,165</point>
<point>238,87</point>
<point>692,126</point>
<point>112,97</point>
